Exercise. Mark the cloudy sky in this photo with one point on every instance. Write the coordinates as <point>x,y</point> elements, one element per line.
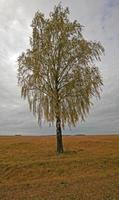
<point>100,20</point>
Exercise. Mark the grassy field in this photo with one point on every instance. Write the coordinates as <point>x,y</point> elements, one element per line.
<point>31,170</point>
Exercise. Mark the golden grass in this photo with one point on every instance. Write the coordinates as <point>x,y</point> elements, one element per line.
<point>31,170</point>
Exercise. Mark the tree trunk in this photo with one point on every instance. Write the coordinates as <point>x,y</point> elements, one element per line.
<point>59,136</point>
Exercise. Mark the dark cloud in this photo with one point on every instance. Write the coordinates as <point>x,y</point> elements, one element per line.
<point>99,19</point>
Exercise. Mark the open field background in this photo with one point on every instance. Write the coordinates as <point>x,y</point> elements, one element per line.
<point>31,170</point>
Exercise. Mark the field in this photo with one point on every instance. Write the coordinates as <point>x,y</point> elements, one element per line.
<point>30,169</point>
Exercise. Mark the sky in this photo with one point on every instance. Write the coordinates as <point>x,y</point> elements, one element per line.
<point>100,21</point>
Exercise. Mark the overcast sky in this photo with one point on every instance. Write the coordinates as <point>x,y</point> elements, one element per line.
<point>100,19</point>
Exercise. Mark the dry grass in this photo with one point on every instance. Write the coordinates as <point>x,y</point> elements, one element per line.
<point>31,170</point>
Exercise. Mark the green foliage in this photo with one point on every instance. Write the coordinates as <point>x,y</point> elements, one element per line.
<point>57,74</point>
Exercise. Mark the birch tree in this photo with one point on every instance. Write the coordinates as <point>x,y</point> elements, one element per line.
<point>57,74</point>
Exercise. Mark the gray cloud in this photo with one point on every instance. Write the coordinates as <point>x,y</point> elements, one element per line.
<point>100,20</point>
